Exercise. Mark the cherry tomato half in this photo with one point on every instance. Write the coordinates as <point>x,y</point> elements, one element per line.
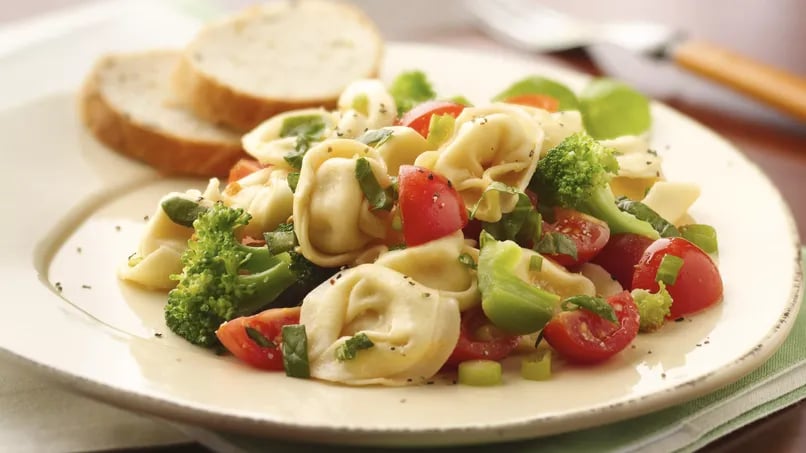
<point>419,117</point>
<point>621,254</point>
<point>470,347</point>
<point>541,101</point>
<point>588,233</point>
<point>430,207</point>
<point>243,167</point>
<point>581,336</point>
<point>269,323</point>
<point>698,283</point>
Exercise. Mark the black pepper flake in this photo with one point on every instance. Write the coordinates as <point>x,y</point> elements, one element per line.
<point>426,294</point>
<point>86,286</point>
<point>117,227</point>
<point>338,276</point>
<point>157,334</point>
<point>411,283</point>
<point>680,319</point>
<point>649,352</point>
<point>632,346</point>
<point>339,134</point>
<point>199,199</point>
<point>145,218</point>
<point>663,375</point>
<point>420,170</point>
<point>330,149</point>
<point>408,380</point>
<point>657,174</point>
<point>561,124</point>
<point>392,348</point>
<point>454,382</point>
<point>450,184</point>
<point>698,345</point>
<point>707,342</point>
<point>649,162</point>
<point>531,153</point>
<point>430,176</point>
<point>430,383</point>
<point>402,400</point>
<point>78,249</point>
<point>58,286</point>
<point>332,281</point>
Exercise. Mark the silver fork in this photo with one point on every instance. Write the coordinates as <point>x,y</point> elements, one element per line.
<point>534,27</point>
<point>530,26</point>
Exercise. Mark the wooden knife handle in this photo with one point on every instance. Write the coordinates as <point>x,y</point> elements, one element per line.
<point>775,87</point>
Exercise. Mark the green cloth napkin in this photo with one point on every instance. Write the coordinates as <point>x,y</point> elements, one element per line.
<point>779,383</point>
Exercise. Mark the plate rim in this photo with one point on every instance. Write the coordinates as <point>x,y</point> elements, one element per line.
<point>351,435</point>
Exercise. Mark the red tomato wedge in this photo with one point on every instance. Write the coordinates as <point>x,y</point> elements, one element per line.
<point>469,347</point>
<point>243,167</point>
<point>430,207</point>
<point>583,337</point>
<point>541,101</point>
<point>419,117</point>
<point>698,283</point>
<point>235,335</point>
<point>588,233</point>
<point>621,255</point>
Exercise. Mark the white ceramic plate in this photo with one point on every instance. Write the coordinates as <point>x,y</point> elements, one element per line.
<point>73,211</point>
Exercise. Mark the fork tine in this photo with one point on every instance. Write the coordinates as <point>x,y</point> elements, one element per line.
<point>500,21</point>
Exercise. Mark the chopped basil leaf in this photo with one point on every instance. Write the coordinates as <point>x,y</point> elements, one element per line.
<point>409,89</point>
<point>668,269</point>
<point>293,180</point>
<point>375,138</point>
<point>595,305</point>
<point>307,129</point>
<point>467,260</point>
<point>282,239</point>
<point>643,212</point>
<point>556,244</point>
<point>536,263</point>
<point>378,198</point>
<point>351,346</point>
<point>182,211</point>
<point>258,338</point>
<point>295,351</point>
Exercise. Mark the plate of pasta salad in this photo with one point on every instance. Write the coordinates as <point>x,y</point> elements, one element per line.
<point>468,248</point>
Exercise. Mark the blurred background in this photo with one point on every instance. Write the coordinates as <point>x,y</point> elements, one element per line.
<point>771,31</point>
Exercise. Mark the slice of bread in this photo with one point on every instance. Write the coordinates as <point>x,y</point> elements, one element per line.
<point>126,104</point>
<point>277,57</point>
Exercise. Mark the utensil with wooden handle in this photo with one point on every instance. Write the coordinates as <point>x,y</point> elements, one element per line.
<point>530,26</point>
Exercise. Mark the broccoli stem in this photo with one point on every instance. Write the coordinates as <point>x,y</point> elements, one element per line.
<point>258,259</point>
<point>269,284</point>
<point>602,205</point>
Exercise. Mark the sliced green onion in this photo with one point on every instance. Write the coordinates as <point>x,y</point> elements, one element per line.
<point>595,305</point>
<point>440,129</point>
<point>467,260</point>
<point>281,239</point>
<point>378,198</point>
<point>293,180</point>
<point>536,263</point>
<point>375,138</point>
<point>259,338</point>
<point>643,212</point>
<point>481,373</point>
<point>556,244</point>
<point>361,104</point>
<point>351,346</point>
<point>669,267</point>
<point>295,351</point>
<point>537,367</point>
<point>703,236</point>
<point>397,222</point>
<point>182,211</point>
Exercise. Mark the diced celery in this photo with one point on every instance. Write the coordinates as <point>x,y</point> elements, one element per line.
<point>480,373</point>
<point>537,367</point>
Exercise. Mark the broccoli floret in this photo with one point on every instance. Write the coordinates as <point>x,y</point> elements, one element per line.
<point>576,174</point>
<point>653,308</point>
<point>223,279</point>
<point>409,89</point>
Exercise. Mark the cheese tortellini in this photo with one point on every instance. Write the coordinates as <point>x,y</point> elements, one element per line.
<point>267,144</point>
<point>500,142</point>
<point>402,147</point>
<point>364,105</point>
<point>332,217</point>
<point>265,195</point>
<point>413,327</point>
<point>159,253</point>
<point>436,264</point>
<point>557,126</point>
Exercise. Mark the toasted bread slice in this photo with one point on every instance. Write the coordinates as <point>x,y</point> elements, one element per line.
<point>276,57</point>
<point>126,104</point>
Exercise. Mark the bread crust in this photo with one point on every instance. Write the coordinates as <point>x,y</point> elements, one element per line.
<point>169,154</point>
<point>226,105</point>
